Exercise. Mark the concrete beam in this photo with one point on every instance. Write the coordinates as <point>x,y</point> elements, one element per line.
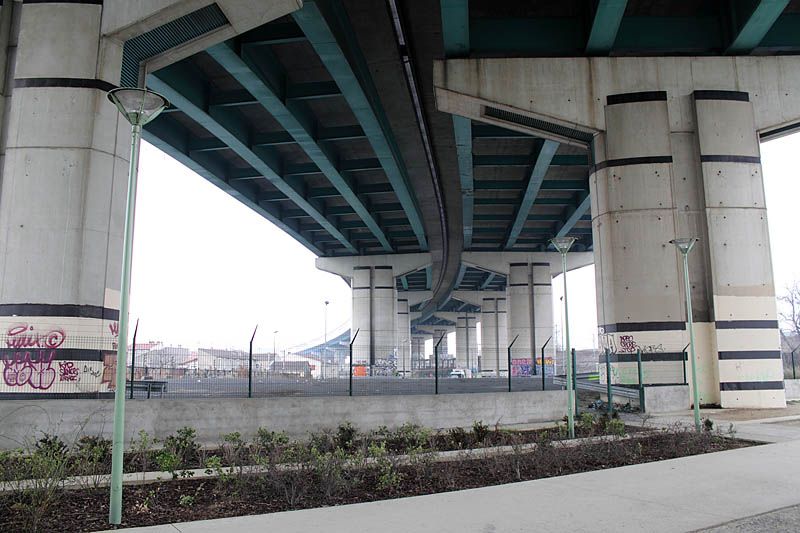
<point>528,87</point>
<point>415,297</point>
<point>499,262</point>
<point>401,263</point>
<point>476,297</point>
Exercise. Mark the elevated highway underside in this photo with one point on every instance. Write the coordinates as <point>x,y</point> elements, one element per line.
<point>427,152</point>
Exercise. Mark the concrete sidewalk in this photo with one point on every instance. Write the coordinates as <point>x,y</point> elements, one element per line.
<point>677,495</point>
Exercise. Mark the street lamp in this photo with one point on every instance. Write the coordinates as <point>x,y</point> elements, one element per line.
<point>562,245</point>
<point>274,345</point>
<point>138,106</point>
<point>685,246</point>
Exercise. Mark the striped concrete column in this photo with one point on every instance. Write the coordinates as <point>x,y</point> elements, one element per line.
<point>62,202</point>
<point>530,308</point>
<point>466,341</point>
<point>373,314</point>
<point>494,336</point>
<point>638,276</point>
<point>403,336</point>
<point>444,349</point>
<point>742,288</point>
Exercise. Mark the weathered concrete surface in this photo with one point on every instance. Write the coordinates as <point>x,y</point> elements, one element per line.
<point>678,495</point>
<point>23,420</point>
<point>792,389</point>
<point>666,398</point>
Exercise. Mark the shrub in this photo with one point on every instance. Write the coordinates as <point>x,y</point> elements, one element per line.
<point>141,449</point>
<point>586,422</point>
<point>615,426</point>
<point>708,424</point>
<point>183,445</point>
<point>268,441</point>
<point>92,459</point>
<point>389,478</point>
<point>480,431</point>
<point>458,438</point>
<point>346,435</point>
<point>51,446</point>
<point>407,438</point>
<point>167,461</point>
<point>329,470</point>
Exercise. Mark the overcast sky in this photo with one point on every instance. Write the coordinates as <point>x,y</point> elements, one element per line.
<point>207,270</point>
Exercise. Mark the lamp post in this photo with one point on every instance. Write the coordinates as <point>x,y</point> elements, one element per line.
<point>275,345</point>
<point>138,106</point>
<point>685,246</point>
<point>562,245</point>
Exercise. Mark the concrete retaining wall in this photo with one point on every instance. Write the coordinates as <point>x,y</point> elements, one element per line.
<point>792,389</point>
<point>24,420</point>
<point>666,398</point>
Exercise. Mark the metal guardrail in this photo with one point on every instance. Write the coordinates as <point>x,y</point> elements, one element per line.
<point>626,392</point>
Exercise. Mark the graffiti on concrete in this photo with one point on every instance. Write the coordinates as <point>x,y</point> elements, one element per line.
<point>67,371</point>
<point>31,368</point>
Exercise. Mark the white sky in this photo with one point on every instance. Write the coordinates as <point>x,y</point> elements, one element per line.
<point>206,269</point>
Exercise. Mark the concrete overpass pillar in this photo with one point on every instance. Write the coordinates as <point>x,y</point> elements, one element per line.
<point>444,349</point>
<point>530,308</point>
<point>403,336</point>
<point>467,341</point>
<point>650,184</point>
<point>417,347</point>
<point>494,335</point>
<point>373,313</point>
<point>62,201</point>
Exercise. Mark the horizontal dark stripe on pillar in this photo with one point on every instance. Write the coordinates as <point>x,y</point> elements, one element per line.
<point>751,385</point>
<point>630,327</point>
<point>627,161</point>
<point>383,267</point>
<point>402,312</point>
<point>526,264</point>
<point>746,324</point>
<point>737,96</point>
<point>730,159</point>
<point>750,354</point>
<point>358,288</point>
<point>361,268</point>
<point>630,98</point>
<point>56,395</point>
<point>647,357</point>
<point>517,284</point>
<point>91,2</point>
<point>384,287</point>
<point>542,284</point>
<point>402,299</point>
<point>72,83</point>
<point>61,354</point>
<point>62,310</point>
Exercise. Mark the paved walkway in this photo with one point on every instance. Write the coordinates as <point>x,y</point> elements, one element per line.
<point>684,494</point>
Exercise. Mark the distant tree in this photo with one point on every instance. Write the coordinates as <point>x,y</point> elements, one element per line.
<point>789,313</point>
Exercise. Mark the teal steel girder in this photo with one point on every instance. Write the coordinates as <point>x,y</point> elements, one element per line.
<point>605,24</point>
<point>455,27</point>
<point>545,153</point>
<point>488,281</point>
<point>246,70</point>
<point>756,23</point>
<point>179,86</point>
<point>357,88</point>
<point>462,129</point>
<point>574,213</point>
<point>164,135</point>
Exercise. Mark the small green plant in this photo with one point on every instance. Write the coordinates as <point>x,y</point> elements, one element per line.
<point>187,500</point>
<point>586,422</point>
<point>267,441</point>
<point>615,426</point>
<point>389,478</point>
<point>407,438</point>
<point>183,445</point>
<point>92,460</point>
<point>346,435</point>
<point>458,437</point>
<point>167,461</point>
<point>329,470</point>
<point>480,431</point>
<point>708,424</point>
<point>141,449</point>
<point>51,446</point>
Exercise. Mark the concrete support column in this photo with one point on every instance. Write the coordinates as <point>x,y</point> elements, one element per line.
<point>403,336</point>
<point>62,198</point>
<point>494,335</point>
<point>467,341</point>
<point>742,291</point>
<point>373,314</point>
<point>417,347</point>
<point>530,308</point>
<point>444,349</point>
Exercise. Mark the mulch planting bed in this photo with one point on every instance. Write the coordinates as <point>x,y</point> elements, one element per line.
<point>323,480</point>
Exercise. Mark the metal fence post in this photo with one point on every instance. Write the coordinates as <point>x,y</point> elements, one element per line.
<point>250,366</point>
<point>544,372</point>
<point>133,356</point>
<point>436,365</point>
<point>794,370</point>
<point>575,378</point>
<point>685,358</point>
<point>641,384</point>
<point>350,389</point>
<point>609,393</point>
<point>509,362</point>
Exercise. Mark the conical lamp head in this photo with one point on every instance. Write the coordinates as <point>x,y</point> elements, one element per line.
<point>685,245</point>
<point>138,106</point>
<point>563,244</point>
